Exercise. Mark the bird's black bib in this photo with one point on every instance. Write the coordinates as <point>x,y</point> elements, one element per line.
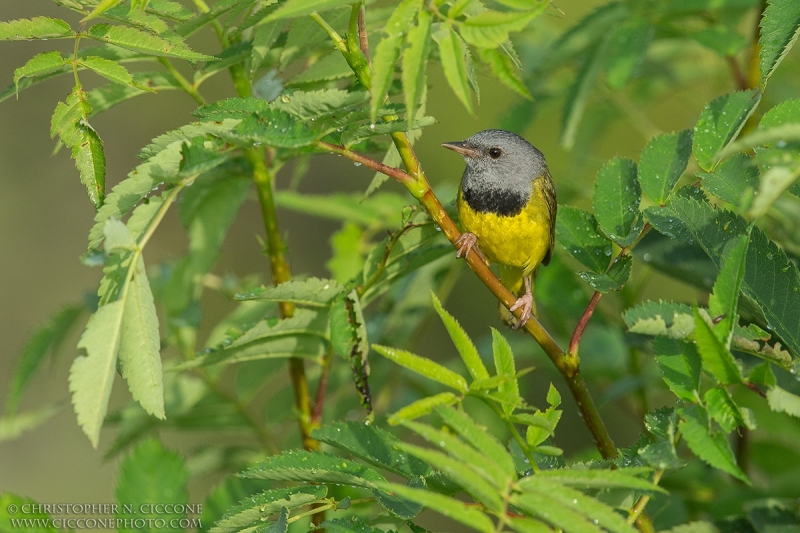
<point>504,203</point>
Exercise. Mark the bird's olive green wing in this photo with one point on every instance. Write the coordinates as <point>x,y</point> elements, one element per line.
<point>549,193</point>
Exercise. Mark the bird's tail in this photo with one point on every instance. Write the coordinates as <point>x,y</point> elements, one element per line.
<point>513,280</point>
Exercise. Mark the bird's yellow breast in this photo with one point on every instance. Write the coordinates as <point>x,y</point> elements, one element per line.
<point>520,240</point>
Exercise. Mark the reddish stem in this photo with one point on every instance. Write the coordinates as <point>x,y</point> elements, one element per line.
<point>322,387</point>
<point>392,172</point>
<point>575,340</point>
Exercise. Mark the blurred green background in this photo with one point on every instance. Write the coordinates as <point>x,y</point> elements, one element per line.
<point>45,217</point>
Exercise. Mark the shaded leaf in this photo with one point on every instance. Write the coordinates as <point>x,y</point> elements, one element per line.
<point>720,122</point>
<point>578,94</point>
<point>372,444</point>
<point>414,63</point>
<point>616,200</point>
<point>504,70</point>
<point>717,359</point>
<point>577,231</point>
<point>47,339</point>
<point>662,163</point>
<point>612,280</point>
<point>710,446</point>
<point>255,509</point>
<point>627,48</point>
<point>680,364</point>
<point>731,179</point>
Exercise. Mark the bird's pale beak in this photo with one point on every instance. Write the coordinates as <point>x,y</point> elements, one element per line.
<point>463,148</point>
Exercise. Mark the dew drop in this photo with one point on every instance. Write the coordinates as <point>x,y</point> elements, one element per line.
<point>647,257</point>
<point>356,163</point>
<point>371,126</point>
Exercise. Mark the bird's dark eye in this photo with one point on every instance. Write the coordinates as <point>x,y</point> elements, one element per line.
<point>494,153</point>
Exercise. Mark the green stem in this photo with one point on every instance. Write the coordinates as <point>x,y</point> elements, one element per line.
<point>265,185</point>
<point>190,89</point>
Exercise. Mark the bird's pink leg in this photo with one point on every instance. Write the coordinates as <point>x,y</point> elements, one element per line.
<point>525,302</point>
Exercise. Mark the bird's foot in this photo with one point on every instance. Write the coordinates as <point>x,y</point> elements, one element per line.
<point>526,303</point>
<point>467,242</point>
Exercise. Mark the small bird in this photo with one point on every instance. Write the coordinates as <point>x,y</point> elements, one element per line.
<point>507,207</point>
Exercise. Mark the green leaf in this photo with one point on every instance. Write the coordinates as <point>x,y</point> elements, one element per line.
<point>622,478</point>
<point>102,7</point>
<point>35,28</point>
<point>479,437</point>
<point>318,467</point>
<point>104,97</point>
<point>548,508</point>
<point>388,51</point>
<point>662,163</point>
<point>612,280</point>
<point>627,48</point>
<point>783,401</point>
<point>424,367</point>
<point>415,61</point>
<point>151,473</point>
<point>423,407</point>
<point>731,179</point>
<point>568,498</point>
<point>281,525</point>
<point>328,68</point>
<point>616,201</point>
<point>69,123</point>
<point>302,335</point>
<point>39,65</point>
<point>472,461</point>
<point>377,212</point>
<point>490,29</point>
<point>444,505</point>
<point>372,444</point>
<point>358,133</point>
<point>504,365</point>
<point>710,446</point>
<point>347,258</point>
<point>255,509</point>
<point>722,408</point>
<point>349,340</point>
<point>314,292</point>
<point>466,348</point>
<point>724,300</point>
<point>779,29</point>
<point>459,471</point>
<point>717,359</point>
<point>669,319</point>
<point>351,524</point>
<point>720,122</point>
<point>453,54</point>
<point>9,500</point>
<point>274,128</point>
<point>774,182</point>
<point>140,41</point>
<point>311,104</point>
<point>721,39</point>
<point>111,70</point>
<point>140,344</point>
<point>13,424</point>
<point>578,95</point>
<point>504,70</point>
<point>680,364</point>
<point>577,231</point>
<point>91,376</point>
<point>264,36</point>
<point>47,339</point>
<point>770,279</point>
<point>297,8</point>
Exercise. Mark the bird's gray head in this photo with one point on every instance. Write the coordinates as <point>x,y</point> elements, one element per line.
<point>499,160</point>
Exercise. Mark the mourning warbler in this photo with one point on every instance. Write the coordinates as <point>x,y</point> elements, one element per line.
<point>507,207</point>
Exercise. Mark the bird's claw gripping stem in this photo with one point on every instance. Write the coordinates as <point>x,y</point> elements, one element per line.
<point>526,303</point>
<point>467,242</point>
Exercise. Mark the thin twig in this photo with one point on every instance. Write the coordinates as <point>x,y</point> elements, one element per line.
<point>392,172</point>
<point>736,71</point>
<point>322,387</point>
